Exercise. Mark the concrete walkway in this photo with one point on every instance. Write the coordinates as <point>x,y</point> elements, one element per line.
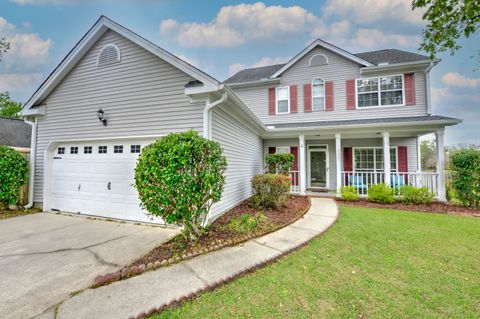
<point>153,289</point>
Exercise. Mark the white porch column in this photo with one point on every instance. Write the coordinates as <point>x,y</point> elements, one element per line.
<point>338,160</point>
<point>386,156</point>
<point>440,164</point>
<point>303,161</point>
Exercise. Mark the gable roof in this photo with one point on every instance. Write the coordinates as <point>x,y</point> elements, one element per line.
<point>254,74</point>
<point>326,45</point>
<point>14,132</point>
<point>391,56</point>
<point>102,25</point>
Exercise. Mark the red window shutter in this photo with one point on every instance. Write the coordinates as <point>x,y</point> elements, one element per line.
<point>402,159</point>
<point>329,96</point>
<point>307,98</point>
<point>409,88</point>
<point>347,159</point>
<point>271,101</point>
<point>351,95</point>
<point>295,176</point>
<point>294,152</point>
<point>272,150</point>
<point>293,99</point>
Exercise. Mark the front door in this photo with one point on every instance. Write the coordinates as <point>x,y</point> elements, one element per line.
<point>318,168</point>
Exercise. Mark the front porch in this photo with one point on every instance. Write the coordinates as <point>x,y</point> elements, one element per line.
<point>326,162</point>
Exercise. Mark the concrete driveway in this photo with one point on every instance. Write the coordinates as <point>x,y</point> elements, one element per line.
<point>45,257</point>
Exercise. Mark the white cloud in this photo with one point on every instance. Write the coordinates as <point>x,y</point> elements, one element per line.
<point>374,11</point>
<point>27,50</point>
<point>15,81</point>
<point>234,25</point>
<point>234,68</point>
<point>377,39</point>
<point>458,80</point>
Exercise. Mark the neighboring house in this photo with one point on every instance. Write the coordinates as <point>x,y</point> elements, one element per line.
<point>340,114</point>
<point>16,134</point>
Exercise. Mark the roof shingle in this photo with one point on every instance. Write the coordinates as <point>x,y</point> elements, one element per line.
<point>15,133</point>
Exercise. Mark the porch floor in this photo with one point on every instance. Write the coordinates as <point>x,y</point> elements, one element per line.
<point>315,193</point>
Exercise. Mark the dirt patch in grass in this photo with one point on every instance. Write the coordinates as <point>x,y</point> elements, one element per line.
<point>224,229</point>
<point>435,207</point>
<point>6,213</point>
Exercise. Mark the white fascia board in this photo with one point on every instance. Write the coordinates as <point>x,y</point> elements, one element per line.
<point>253,83</point>
<point>90,38</point>
<point>38,111</point>
<point>424,64</point>
<point>325,45</point>
<point>359,126</point>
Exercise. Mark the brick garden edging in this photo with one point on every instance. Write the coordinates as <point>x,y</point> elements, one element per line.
<point>178,302</point>
<point>131,271</point>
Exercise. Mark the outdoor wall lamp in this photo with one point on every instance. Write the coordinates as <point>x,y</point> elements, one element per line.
<point>101,117</point>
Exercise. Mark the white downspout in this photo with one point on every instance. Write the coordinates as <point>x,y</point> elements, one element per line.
<point>427,84</point>
<point>207,119</point>
<point>33,149</point>
<point>207,130</point>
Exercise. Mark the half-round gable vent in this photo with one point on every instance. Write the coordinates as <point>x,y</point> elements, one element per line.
<point>318,59</point>
<point>109,54</point>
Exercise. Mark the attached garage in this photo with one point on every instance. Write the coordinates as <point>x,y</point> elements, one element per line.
<point>96,178</point>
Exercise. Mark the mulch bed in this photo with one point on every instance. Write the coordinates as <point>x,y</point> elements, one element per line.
<point>218,233</point>
<point>435,207</point>
<point>5,213</point>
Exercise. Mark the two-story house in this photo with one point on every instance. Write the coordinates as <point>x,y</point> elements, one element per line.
<point>348,119</point>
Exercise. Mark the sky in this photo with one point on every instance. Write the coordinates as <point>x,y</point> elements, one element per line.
<point>222,37</point>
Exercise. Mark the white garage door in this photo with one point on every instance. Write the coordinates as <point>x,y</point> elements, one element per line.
<point>97,179</point>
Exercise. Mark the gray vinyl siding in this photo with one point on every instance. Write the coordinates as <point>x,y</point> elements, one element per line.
<point>142,95</point>
<point>243,149</point>
<point>338,70</point>
<point>410,143</point>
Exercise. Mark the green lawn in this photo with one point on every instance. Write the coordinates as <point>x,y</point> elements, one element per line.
<point>373,263</point>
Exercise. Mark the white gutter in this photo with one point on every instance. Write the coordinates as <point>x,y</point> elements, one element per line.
<point>33,148</point>
<point>207,118</point>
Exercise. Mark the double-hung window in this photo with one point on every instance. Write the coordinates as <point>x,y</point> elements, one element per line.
<point>283,100</point>
<point>318,95</point>
<point>370,159</point>
<point>380,91</point>
<point>283,149</point>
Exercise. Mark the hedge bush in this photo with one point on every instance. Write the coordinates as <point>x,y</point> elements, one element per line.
<point>179,177</point>
<point>466,176</point>
<point>279,163</point>
<point>349,193</point>
<point>13,174</point>
<point>381,193</point>
<point>416,195</point>
<point>270,190</point>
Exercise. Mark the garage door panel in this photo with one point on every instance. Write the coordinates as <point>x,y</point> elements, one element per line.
<point>97,184</point>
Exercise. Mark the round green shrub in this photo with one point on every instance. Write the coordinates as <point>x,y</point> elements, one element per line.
<point>349,193</point>
<point>179,177</point>
<point>466,176</point>
<point>416,195</point>
<point>279,163</point>
<point>381,193</point>
<point>270,190</point>
<point>13,174</point>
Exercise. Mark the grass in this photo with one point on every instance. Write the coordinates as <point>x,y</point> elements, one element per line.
<point>5,213</point>
<point>374,263</point>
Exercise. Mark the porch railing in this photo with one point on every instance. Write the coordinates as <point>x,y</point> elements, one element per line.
<point>362,180</point>
<point>295,176</point>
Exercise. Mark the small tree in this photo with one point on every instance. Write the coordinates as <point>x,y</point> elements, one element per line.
<point>9,107</point>
<point>179,177</point>
<point>279,163</point>
<point>13,174</point>
<point>466,176</point>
